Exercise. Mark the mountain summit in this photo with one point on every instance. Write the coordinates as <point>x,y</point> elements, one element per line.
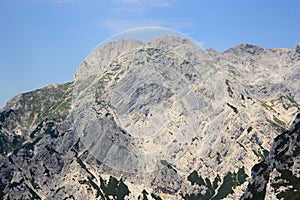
<point>162,119</point>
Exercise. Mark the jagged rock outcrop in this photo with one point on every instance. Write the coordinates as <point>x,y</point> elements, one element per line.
<point>278,175</point>
<point>161,120</point>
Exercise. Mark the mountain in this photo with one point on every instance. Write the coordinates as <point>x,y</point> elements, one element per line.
<point>158,120</point>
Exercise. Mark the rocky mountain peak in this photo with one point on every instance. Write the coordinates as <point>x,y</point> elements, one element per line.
<point>98,59</point>
<point>246,49</point>
<point>169,41</point>
<point>295,52</point>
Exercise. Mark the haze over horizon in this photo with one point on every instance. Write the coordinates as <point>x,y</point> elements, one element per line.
<point>44,41</point>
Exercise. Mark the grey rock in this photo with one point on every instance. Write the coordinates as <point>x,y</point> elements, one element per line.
<point>150,114</point>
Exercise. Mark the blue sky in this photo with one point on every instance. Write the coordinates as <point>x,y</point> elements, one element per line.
<point>44,41</point>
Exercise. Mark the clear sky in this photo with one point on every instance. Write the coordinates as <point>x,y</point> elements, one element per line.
<point>44,41</point>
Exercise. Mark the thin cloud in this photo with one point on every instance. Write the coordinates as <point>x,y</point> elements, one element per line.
<point>130,14</point>
<point>118,25</point>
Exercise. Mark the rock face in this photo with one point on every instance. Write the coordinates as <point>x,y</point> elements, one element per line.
<point>278,175</point>
<point>161,120</point>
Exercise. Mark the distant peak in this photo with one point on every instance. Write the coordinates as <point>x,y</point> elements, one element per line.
<point>295,52</point>
<point>297,48</point>
<point>169,38</point>
<point>211,50</point>
<point>122,43</point>
<point>246,48</point>
<point>169,41</point>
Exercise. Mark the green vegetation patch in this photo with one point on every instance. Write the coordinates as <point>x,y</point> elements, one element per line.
<point>214,190</point>
<point>277,126</point>
<point>280,122</point>
<point>233,108</point>
<point>264,104</point>
<point>230,181</point>
<point>249,129</point>
<point>287,179</point>
<point>165,163</point>
<point>144,195</point>
<point>288,102</point>
<point>194,178</point>
<point>8,144</point>
<point>155,197</point>
<point>229,90</point>
<point>114,188</point>
<point>241,145</point>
